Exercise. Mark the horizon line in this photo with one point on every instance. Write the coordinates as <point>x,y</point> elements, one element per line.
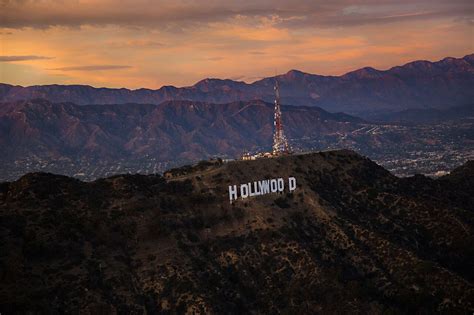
<point>225,79</point>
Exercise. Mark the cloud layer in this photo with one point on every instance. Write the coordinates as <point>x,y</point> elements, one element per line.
<point>152,43</point>
<point>178,14</point>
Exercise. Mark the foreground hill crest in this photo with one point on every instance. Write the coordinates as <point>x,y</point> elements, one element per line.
<point>351,239</point>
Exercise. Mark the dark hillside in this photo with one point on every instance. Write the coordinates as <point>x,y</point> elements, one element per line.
<point>352,238</point>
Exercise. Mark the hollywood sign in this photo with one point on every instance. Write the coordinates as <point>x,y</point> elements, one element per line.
<point>261,187</point>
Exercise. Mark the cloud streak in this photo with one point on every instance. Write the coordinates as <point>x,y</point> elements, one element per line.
<point>137,43</point>
<point>92,68</point>
<point>22,58</point>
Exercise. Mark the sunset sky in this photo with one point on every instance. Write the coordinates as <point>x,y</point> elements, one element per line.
<point>139,43</point>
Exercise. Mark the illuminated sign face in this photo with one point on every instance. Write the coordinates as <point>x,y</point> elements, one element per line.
<point>261,187</point>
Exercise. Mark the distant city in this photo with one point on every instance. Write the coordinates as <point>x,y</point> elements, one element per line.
<point>432,150</point>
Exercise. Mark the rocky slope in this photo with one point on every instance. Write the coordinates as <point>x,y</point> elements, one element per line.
<point>415,85</point>
<point>351,238</point>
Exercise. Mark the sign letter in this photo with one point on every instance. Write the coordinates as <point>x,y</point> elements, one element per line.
<point>281,184</point>
<point>244,191</point>
<point>232,193</point>
<point>264,186</point>
<point>292,183</point>
<point>273,185</point>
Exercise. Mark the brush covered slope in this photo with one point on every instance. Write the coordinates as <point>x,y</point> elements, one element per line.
<point>169,131</point>
<point>352,238</point>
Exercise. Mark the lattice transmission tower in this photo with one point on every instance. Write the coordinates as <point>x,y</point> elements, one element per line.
<point>280,144</point>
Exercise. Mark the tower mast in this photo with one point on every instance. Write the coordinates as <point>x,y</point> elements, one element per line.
<point>280,144</point>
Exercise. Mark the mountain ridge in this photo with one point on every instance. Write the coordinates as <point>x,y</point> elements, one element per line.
<point>170,130</point>
<point>417,84</point>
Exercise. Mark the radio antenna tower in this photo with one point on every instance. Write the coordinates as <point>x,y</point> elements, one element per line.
<point>280,144</point>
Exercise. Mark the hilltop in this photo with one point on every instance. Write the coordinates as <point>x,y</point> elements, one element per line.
<point>352,238</point>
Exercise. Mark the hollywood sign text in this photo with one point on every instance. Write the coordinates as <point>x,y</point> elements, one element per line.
<point>261,187</point>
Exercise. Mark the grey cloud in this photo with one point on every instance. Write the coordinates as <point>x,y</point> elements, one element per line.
<point>22,58</point>
<point>178,15</point>
<point>136,43</point>
<point>126,13</point>
<point>215,58</point>
<point>252,79</point>
<point>357,19</point>
<point>92,68</point>
<point>237,78</point>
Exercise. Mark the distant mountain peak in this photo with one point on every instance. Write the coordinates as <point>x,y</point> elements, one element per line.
<point>210,84</point>
<point>366,72</point>
<point>469,59</point>
<point>207,81</point>
<point>293,74</point>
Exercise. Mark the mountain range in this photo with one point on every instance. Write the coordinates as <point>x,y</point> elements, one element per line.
<point>367,91</point>
<point>351,239</point>
<point>172,130</point>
